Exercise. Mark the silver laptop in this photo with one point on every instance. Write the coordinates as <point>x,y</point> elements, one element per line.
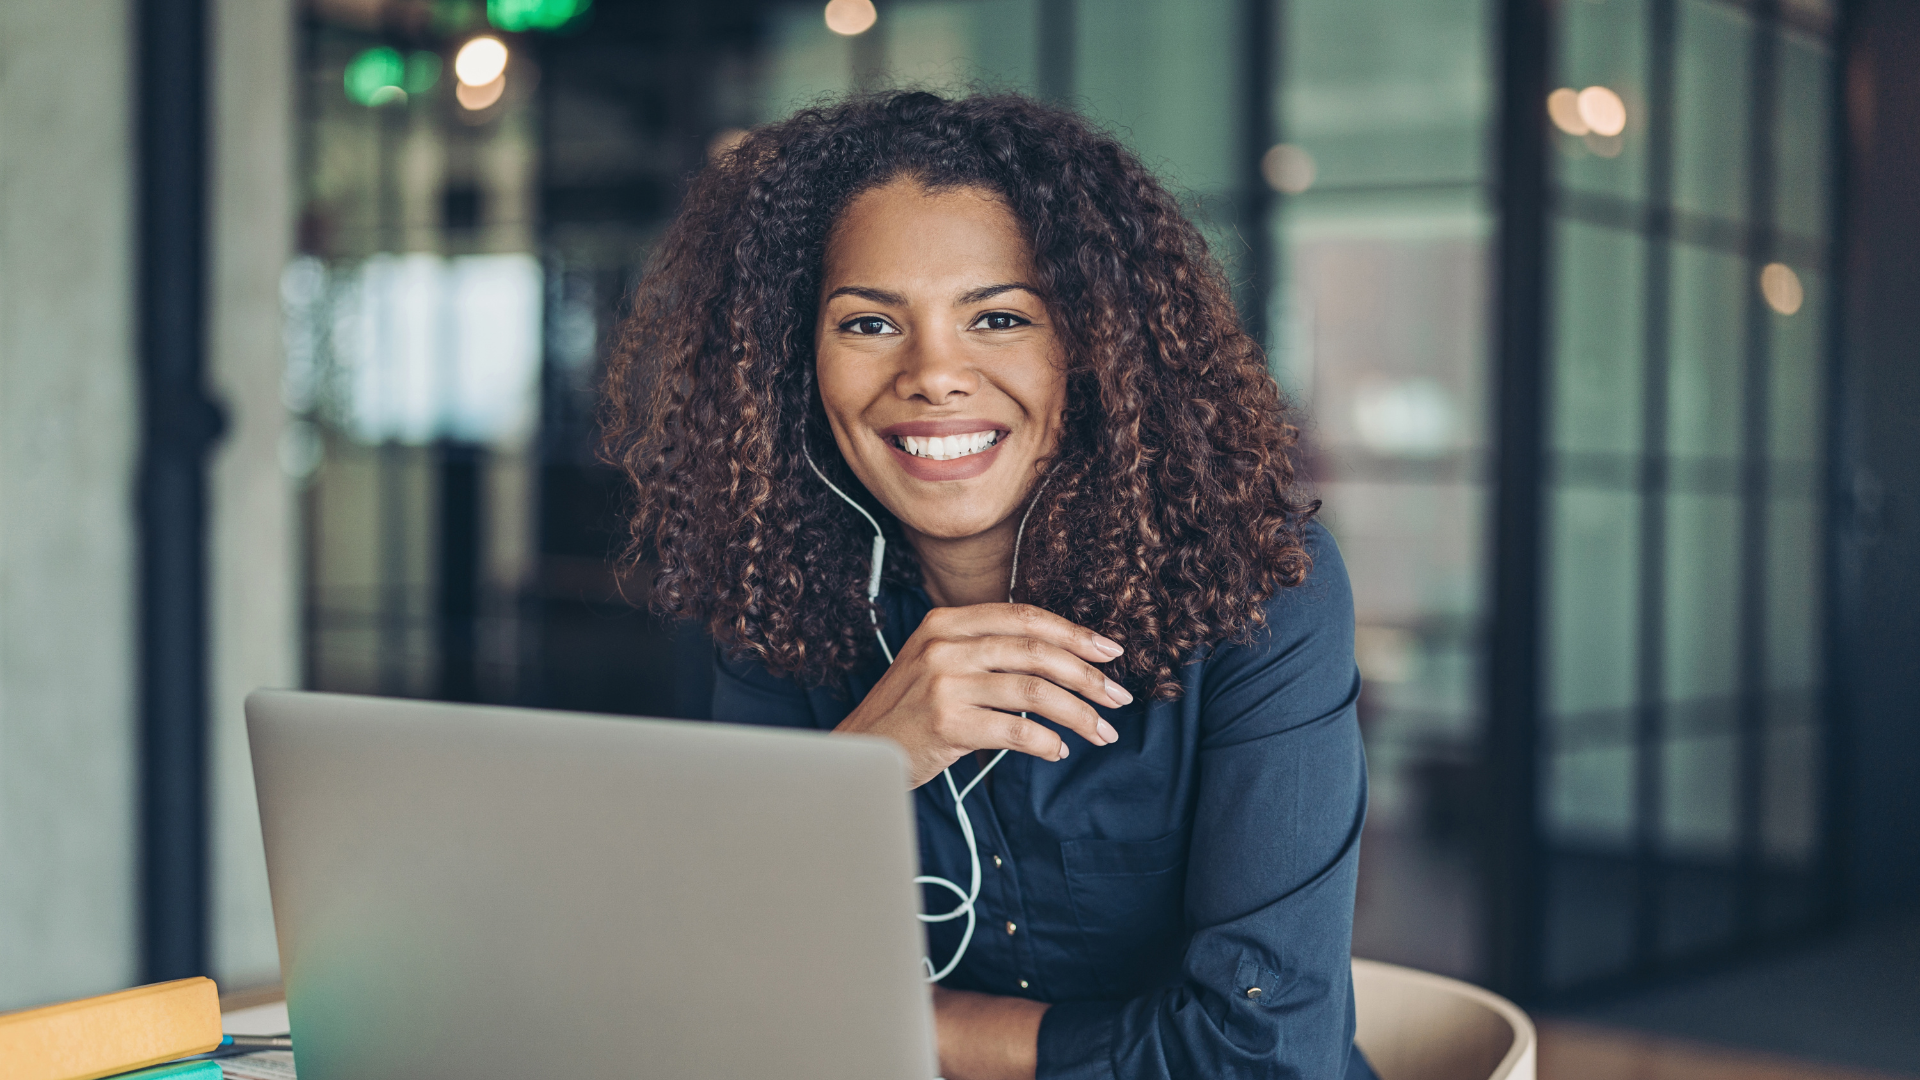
<point>473,892</point>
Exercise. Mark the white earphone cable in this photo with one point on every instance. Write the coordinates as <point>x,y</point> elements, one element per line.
<point>967,896</point>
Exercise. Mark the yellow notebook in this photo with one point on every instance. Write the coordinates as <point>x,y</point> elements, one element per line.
<point>113,1033</point>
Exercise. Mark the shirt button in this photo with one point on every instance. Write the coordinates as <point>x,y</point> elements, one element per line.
<point>1010,927</point>
<point>1253,993</point>
<point>1023,984</point>
<point>996,860</point>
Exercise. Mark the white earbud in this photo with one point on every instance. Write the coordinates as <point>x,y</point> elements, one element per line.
<point>967,896</point>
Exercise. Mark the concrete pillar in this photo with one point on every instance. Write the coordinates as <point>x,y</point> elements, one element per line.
<point>254,606</point>
<point>69,436</point>
<point>69,430</point>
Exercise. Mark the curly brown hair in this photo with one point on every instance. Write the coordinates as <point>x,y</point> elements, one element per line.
<point>1171,513</point>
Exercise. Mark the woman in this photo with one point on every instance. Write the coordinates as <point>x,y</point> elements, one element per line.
<point>984,331</point>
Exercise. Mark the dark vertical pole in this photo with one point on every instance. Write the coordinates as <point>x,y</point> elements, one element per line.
<point>462,554</point>
<point>393,463</point>
<point>1851,128</point>
<point>1877,468</point>
<point>1650,711</point>
<point>1755,474</point>
<point>1259,66</point>
<point>1513,667</point>
<point>180,426</point>
<point>1054,80</point>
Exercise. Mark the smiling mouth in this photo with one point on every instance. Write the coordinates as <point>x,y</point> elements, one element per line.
<point>947,447</point>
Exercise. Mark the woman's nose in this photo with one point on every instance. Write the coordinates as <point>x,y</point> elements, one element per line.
<point>935,367</point>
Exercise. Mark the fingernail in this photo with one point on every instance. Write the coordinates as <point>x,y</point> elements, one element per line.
<point>1063,752</point>
<point>1118,693</point>
<point>1106,732</point>
<point>1106,645</point>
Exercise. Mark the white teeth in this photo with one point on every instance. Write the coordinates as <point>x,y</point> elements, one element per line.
<point>946,448</point>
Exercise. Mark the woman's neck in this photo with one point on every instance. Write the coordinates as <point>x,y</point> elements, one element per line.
<point>976,569</point>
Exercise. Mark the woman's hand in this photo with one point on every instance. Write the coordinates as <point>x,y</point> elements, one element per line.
<point>983,1037</point>
<point>959,682</point>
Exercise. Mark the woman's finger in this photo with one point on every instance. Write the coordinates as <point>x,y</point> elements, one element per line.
<point>1032,656</point>
<point>1032,694</point>
<point>1022,620</point>
<point>994,730</point>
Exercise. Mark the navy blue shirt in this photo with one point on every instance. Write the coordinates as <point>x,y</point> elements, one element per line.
<point>1184,896</point>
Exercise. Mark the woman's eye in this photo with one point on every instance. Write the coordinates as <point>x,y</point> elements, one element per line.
<point>867,325</point>
<point>999,320</point>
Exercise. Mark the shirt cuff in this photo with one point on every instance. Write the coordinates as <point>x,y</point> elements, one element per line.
<point>1076,1040</point>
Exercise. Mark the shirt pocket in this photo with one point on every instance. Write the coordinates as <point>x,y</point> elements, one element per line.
<point>1128,899</point>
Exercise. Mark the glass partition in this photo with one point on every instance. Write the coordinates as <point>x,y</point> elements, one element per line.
<point>1380,331</point>
<point>1680,786</point>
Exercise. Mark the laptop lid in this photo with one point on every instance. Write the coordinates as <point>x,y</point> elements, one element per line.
<point>468,891</point>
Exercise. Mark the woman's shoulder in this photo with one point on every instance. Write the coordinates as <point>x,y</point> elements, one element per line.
<point>1296,668</point>
<point>1323,598</point>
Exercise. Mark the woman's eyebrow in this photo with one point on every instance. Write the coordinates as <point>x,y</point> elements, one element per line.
<point>988,292</point>
<point>878,296</point>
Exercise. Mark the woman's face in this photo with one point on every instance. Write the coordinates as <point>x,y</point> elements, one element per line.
<point>937,362</point>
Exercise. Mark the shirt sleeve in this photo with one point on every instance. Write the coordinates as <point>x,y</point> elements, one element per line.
<point>746,693</point>
<point>1266,982</point>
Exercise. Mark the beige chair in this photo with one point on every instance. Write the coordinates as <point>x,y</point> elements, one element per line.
<point>1413,1025</point>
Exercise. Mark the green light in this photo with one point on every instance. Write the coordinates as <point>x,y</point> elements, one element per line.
<point>423,71</point>
<point>375,77</point>
<point>518,15</point>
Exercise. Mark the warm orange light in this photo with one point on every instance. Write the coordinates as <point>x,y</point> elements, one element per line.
<point>1563,108</point>
<point>1602,110</point>
<point>475,98</point>
<point>851,17</point>
<point>480,61</point>
<point>1288,169</point>
<point>1781,288</point>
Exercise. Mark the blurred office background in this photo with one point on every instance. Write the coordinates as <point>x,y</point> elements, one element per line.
<point>1601,313</point>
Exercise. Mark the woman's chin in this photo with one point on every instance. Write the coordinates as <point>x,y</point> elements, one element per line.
<point>951,534</point>
<point>952,521</point>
